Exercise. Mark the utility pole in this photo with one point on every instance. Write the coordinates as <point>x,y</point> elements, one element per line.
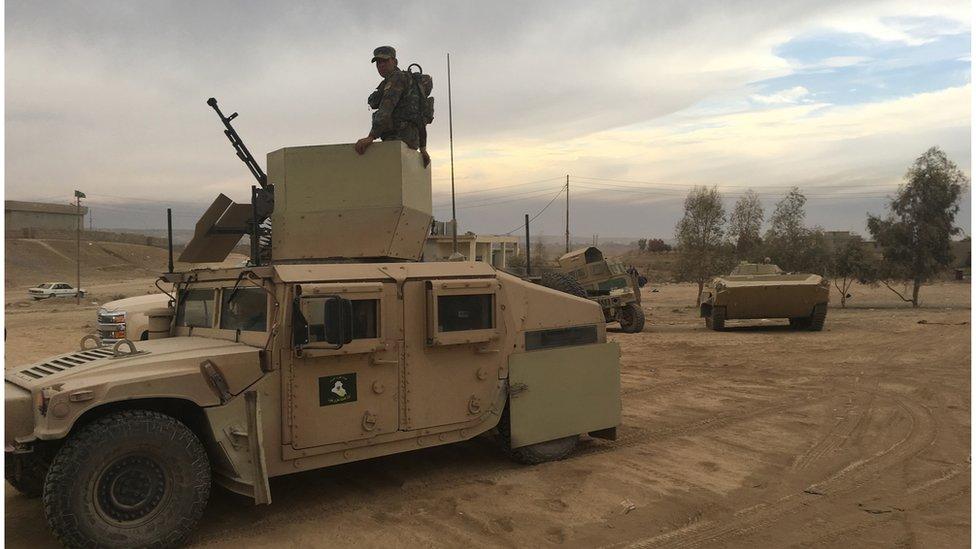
<point>450,133</point>
<point>567,213</point>
<point>528,258</point>
<point>78,196</point>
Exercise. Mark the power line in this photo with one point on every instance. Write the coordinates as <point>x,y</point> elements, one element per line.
<point>561,191</point>
<point>526,184</point>
<point>505,198</point>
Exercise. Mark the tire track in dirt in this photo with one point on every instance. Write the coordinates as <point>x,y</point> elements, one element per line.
<point>637,436</point>
<point>920,436</point>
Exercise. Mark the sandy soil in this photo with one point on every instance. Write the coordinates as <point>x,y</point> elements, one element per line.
<point>858,436</point>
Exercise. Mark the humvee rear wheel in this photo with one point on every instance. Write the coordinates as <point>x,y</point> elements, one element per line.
<point>26,472</point>
<point>134,478</point>
<point>563,283</point>
<point>533,454</point>
<point>631,318</point>
<point>716,320</point>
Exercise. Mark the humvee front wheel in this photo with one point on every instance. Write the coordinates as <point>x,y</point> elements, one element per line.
<point>631,318</point>
<point>533,454</point>
<point>134,478</point>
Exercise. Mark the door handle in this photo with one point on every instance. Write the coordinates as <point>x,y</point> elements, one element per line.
<point>373,361</point>
<point>484,351</point>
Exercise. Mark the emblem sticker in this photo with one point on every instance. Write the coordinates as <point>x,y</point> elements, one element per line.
<point>337,389</point>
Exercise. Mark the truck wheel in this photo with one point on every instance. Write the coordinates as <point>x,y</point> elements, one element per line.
<point>632,318</point>
<point>533,454</point>
<point>134,478</point>
<point>26,472</point>
<point>817,319</point>
<point>716,320</point>
<point>563,283</point>
<point>800,323</point>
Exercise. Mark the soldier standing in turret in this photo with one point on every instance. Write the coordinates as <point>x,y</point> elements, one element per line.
<point>398,106</point>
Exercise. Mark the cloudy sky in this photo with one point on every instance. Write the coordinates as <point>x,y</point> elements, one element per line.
<point>636,101</point>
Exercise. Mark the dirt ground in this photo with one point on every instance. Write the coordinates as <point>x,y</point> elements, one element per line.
<point>858,436</point>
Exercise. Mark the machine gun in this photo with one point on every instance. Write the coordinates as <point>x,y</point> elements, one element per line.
<point>262,196</point>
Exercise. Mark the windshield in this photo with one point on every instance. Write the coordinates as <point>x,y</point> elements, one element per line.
<point>46,285</point>
<point>248,311</point>
<point>196,308</point>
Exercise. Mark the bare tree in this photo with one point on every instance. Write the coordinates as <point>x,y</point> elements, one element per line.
<point>915,236</point>
<point>700,238</point>
<point>642,244</point>
<point>849,264</point>
<point>744,226</point>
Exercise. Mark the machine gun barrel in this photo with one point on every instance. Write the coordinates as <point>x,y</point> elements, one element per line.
<point>235,140</point>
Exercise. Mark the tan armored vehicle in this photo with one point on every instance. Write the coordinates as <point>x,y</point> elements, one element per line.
<point>587,273</point>
<point>341,347</point>
<point>755,290</point>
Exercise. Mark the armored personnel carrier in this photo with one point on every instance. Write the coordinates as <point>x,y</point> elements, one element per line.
<point>757,290</point>
<point>587,273</point>
<point>334,345</point>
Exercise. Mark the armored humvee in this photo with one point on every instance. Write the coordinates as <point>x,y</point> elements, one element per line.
<point>340,347</point>
<point>587,273</point>
<point>756,290</point>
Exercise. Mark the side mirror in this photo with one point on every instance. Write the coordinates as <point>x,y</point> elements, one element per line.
<point>299,326</point>
<point>338,321</point>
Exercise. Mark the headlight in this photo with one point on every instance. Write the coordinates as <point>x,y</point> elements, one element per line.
<point>118,319</point>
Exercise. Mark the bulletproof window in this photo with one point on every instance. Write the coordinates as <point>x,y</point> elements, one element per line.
<point>560,337</point>
<point>365,314</point>
<point>244,309</point>
<point>457,313</point>
<point>196,308</point>
<point>598,269</point>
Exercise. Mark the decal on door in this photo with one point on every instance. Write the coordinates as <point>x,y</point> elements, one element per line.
<point>337,389</point>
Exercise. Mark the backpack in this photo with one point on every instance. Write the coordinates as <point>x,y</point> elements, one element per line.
<point>424,84</point>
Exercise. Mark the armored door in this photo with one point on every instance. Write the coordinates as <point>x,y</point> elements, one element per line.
<point>452,332</point>
<point>347,394</point>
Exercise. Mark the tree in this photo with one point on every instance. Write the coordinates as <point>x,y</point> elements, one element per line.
<point>642,244</point>
<point>538,258</point>
<point>792,245</point>
<point>744,225</point>
<point>915,235</point>
<point>700,238</point>
<point>657,245</point>
<point>849,264</point>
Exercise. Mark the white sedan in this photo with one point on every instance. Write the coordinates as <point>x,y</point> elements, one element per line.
<point>54,289</point>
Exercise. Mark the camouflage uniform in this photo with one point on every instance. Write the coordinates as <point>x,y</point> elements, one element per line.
<point>397,115</point>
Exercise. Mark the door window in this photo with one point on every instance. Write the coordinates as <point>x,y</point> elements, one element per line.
<point>457,313</point>
<point>365,314</point>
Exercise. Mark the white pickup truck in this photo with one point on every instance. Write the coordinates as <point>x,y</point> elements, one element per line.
<point>54,289</point>
<point>126,318</point>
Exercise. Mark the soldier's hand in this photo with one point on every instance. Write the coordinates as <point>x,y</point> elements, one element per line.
<point>363,144</point>
<point>425,156</point>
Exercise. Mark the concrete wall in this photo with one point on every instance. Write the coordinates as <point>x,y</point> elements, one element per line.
<point>14,220</point>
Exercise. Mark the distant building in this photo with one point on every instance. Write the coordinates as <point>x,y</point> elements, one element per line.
<point>495,250</point>
<point>38,215</point>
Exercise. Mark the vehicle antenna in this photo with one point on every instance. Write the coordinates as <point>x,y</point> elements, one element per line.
<point>450,133</point>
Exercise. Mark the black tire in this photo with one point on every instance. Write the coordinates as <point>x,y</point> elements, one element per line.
<point>534,454</point>
<point>818,317</point>
<point>631,318</point>
<point>563,283</point>
<point>800,323</point>
<point>134,478</point>
<point>716,320</point>
<point>26,472</point>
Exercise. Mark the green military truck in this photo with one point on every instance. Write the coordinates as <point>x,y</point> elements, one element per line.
<point>587,273</point>
<point>340,347</point>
